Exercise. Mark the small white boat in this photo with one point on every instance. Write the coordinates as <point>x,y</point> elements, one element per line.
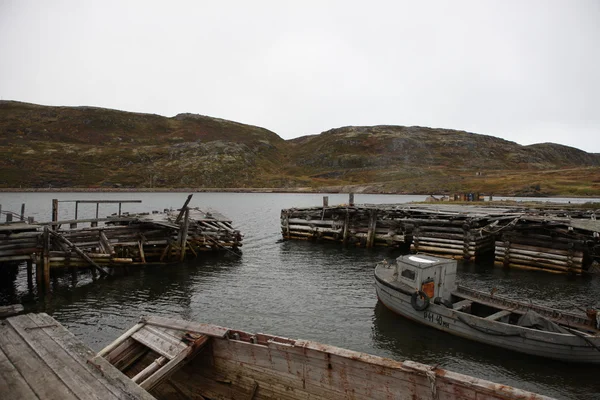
<point>424,289</point>
<point>174,359</point>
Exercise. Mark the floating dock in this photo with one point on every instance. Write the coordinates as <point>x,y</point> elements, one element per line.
<point>40,359</point>
<point>553,240</point>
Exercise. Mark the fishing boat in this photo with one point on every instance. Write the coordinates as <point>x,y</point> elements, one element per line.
<point>424,289</point>
<point>174,359</point>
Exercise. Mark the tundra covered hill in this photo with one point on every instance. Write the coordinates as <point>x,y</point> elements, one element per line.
<point>89,147</point>
<point>96,147</point>
<point>431,160</point>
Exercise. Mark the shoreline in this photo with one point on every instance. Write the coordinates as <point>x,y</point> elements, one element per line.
<point>302,190</point>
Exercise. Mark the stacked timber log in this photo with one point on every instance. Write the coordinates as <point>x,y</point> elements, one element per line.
<point>18,241</point>
<point>455,231</point>
<point>556,244</point>
<point>455,236</point>
<point>356,225</point>
<point>548,238</point>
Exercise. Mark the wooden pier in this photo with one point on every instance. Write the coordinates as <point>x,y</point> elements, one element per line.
<point>545,239</point>
<point>118,240</point>
<point>40,359</point>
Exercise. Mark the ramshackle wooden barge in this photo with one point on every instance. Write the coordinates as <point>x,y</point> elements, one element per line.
<point>174,359</point>
<point>543,239</point>
<point>118,240</point>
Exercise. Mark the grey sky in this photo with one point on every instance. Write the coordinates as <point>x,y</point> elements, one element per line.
<point>526,71</point>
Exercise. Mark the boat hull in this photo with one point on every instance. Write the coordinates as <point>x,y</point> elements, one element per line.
<point>232,364</point>
<point>558,346</point>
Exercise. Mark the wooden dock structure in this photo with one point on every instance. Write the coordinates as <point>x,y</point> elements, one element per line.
<point>118,240</point>
<point>40,359</point>
<point>549,239</point>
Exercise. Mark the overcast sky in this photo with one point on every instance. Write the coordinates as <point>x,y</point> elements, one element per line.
<point>525,71</point>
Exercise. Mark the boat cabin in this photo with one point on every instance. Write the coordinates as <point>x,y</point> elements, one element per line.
<point>436,277</point>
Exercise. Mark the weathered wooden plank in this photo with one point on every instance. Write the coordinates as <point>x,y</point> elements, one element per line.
<point>326,374</point>
<point>159,342</point>
<point>177,362</point>
<point>498,315</point>
<point>205,329</point>
<point>7,311</point>
<point>539,253</point>
<point>78,380</point>
<point>11,381</point>
<point>16,258</point>
<point>105,243</point>
<point>110,377</point>
<point>108,349</point>
<point>29,364</point>
<point>546,268</point>
<point>150,369</point>
<point>80,252</point>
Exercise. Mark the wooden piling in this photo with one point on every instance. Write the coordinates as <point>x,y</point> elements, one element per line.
<point>372,227</point>
<point>46,260</point>
<point>30,274</point>
<point>184,233</point>
<point>346,230</point>
<point>183,209</point>
<point>54,212</point>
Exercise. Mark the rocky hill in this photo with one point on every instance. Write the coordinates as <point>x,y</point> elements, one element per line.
<point>94,147</point>
<point>427,160</point>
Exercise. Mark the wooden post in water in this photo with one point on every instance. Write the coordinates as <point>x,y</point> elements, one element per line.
<point>45,278</point>
<point>351,199</point>
<point>29,274</point>
<point>371,230</point>
<point>54,213</point>
<point>184,233</point>
<point>73,225</point>
<point>180,215</point>
<point>142,254</point>
<point>23,212</point>
<point>346,228</point>
<point>286,226</point>
<point>95,223</point>
<point>325,201</point>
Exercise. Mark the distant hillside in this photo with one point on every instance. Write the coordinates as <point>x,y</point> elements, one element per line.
<point>422,160</point>
<point>87,146</point>
<point>94,147</point>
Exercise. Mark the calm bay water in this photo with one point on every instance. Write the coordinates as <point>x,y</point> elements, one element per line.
<point>321,292</point>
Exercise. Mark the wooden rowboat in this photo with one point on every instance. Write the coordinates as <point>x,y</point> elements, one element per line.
<point>175,359</point>
<point>424,289</point>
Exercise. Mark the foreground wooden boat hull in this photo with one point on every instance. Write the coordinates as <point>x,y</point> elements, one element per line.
<point>559,346</point>
<point>239,365</point>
